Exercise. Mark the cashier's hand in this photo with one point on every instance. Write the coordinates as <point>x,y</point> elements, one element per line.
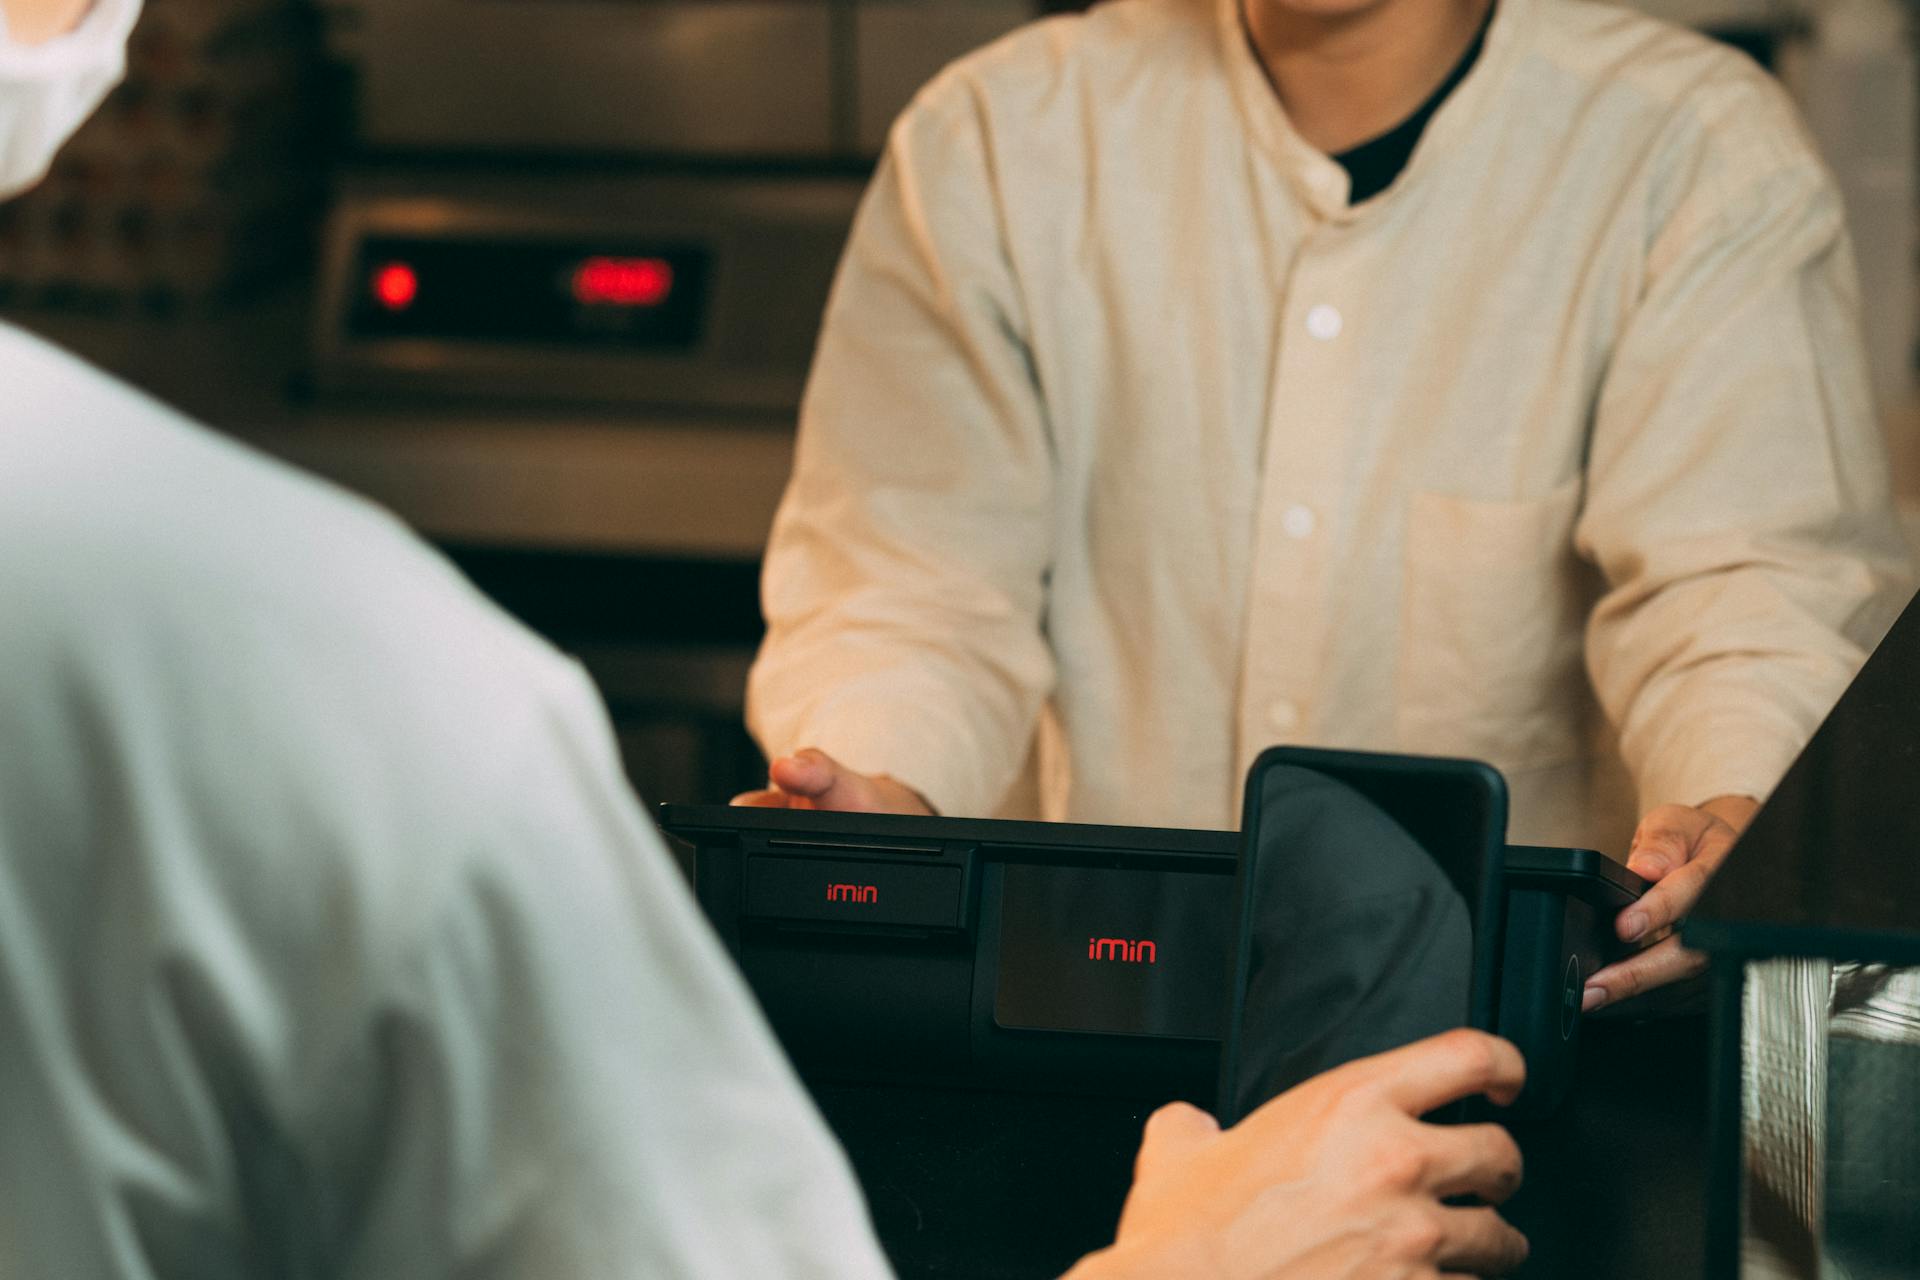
<point>1678,848</point>
<point>813,779</point>
<point>1336,1179</point>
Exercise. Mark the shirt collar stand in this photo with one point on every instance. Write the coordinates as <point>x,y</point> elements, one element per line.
<point>1317,180</point>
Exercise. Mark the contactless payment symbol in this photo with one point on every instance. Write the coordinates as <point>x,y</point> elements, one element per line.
<point>1570,991</point>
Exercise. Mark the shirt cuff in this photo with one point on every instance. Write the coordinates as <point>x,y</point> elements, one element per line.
<point>919,750</point>
<point>1730,756</point>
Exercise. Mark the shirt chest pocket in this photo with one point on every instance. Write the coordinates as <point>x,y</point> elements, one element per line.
<point>1492,617</point>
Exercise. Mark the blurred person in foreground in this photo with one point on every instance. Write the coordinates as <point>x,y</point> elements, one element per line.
<point>332,942</point>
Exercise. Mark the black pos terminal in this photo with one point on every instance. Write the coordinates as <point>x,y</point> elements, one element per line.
<point>993,967</point>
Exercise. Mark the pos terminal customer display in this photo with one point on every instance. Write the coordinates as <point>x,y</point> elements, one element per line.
<point>1369,901</point>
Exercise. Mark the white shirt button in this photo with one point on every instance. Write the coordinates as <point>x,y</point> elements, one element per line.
<point>1283,715</point>
<point>1298,521</point>
<point>1324,322</point>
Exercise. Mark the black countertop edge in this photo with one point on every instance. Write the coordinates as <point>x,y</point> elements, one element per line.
<point>1762,940</point>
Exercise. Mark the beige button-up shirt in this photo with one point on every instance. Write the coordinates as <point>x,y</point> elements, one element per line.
<point>1558,453</point>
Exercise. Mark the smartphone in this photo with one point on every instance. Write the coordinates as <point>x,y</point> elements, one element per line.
<point>1368,900</point>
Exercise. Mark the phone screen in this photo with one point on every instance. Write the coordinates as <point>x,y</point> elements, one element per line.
<point>1364,911</point>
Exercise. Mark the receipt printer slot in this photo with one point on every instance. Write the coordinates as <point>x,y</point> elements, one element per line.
<point>832,891</point>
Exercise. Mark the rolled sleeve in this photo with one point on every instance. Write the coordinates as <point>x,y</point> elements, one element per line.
<point>906,574</point>
<point>1738,500</point>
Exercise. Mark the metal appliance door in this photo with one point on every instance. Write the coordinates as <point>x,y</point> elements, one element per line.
<point>704,77</point>
<point>899,45</point>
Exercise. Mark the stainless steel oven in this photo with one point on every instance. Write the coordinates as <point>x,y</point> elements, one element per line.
<point>572,277</point>
<point>612,201</point>
<point>755,78</point>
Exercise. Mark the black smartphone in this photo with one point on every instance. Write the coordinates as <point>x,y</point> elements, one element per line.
<point>1369,898</point>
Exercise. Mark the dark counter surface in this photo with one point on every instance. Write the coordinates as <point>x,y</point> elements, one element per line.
<point>1831,865</point>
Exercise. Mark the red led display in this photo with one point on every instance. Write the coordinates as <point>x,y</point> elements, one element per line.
<point>622,282</point>
<point>853,893</point>
<point>395,286</point>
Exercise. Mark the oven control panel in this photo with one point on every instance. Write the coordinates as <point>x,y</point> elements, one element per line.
<point>637,295</point>
<point>670,292</point>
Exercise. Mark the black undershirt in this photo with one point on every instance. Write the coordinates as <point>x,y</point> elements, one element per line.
<point>1373,165</point>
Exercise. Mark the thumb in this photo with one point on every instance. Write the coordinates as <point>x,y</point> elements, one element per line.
<point>1664,840</point>
<point>809,772</point>
<point>1174,1135</point>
